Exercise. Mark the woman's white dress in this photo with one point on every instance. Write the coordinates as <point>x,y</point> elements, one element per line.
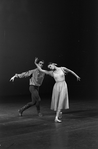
<point>60,92</point>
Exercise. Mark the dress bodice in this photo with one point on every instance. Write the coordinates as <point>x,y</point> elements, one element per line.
<point>59,75</point>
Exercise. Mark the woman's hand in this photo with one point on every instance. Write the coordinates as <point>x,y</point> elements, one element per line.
<point>78,78</point>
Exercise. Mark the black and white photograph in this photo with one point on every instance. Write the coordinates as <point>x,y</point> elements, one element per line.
<point>48,74</point>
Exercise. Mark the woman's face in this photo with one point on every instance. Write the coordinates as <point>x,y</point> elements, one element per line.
<point>51,66</point>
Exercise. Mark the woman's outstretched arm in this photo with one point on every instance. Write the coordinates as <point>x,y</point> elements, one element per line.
<point>68,70</point>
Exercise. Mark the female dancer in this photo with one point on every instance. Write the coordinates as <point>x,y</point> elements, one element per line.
<point>60,93</point>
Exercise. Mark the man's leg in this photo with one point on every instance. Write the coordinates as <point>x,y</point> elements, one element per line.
<point>35,97</point>
<point>28,105</point>
<point>38,108</point>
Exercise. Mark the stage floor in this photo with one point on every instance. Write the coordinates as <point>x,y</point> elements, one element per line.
<point>78,130</point>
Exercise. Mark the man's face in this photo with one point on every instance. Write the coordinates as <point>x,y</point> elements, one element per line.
<point>41,64</point>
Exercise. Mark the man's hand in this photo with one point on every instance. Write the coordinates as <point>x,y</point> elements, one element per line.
<point>36,59</point>
<point>12,79</point>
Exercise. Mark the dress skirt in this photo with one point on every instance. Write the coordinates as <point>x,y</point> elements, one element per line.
<point>60,96</point>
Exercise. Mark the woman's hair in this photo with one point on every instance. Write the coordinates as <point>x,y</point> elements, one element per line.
<point>50,63</point>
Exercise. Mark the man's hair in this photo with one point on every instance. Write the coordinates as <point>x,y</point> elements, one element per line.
<point>41,61</point>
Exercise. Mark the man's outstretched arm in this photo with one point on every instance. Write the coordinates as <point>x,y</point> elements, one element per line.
<point>22,75</point>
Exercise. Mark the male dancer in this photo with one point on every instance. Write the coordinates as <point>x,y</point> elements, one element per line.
<point>35,81</point>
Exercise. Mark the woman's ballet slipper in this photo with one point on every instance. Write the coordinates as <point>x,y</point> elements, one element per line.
<point>57,120</point>
<point>20,113</point>
<point>60,115</point>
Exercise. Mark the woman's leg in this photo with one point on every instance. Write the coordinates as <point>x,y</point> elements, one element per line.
<point>57,116</point>
<point>61,102</point>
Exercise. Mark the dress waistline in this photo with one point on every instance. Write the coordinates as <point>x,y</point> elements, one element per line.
<point>60,81</point>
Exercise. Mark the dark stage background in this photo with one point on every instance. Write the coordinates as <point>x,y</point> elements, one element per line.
<point>64,32</point>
